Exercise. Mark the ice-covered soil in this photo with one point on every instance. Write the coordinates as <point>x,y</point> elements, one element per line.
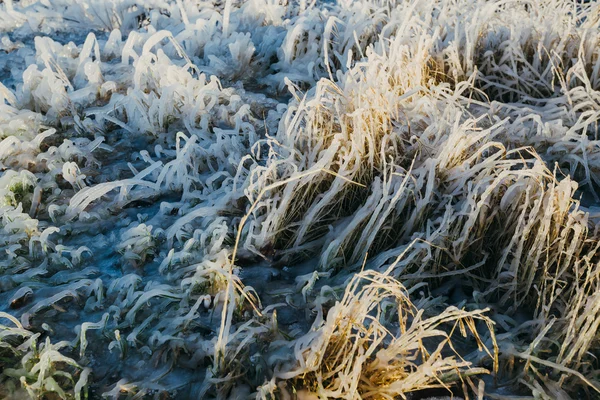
<point>276,199</point>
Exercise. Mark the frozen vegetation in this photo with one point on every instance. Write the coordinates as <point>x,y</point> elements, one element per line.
<point>271,199</point>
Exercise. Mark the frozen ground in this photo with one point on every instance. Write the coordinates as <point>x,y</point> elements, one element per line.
<point>276,200</point>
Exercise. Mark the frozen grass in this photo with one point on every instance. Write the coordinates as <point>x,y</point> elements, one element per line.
<point>273,199</point>
<point>351,353</point>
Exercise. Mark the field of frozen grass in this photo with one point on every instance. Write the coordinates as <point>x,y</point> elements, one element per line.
<point>273,199</point>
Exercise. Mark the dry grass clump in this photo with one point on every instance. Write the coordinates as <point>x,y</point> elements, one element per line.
<point>347,128</point>
<point>374,343</point>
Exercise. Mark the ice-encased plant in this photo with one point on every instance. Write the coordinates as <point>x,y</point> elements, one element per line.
<point>137,244</point>
<point>38,368</point>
